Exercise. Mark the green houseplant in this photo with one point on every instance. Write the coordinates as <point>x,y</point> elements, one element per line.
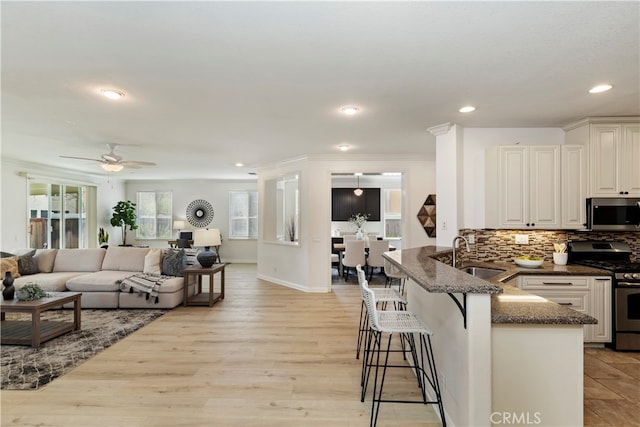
<point>31,291</point>
<point>124,215</point>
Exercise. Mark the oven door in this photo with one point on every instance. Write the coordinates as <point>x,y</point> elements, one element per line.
<point>627,308</point>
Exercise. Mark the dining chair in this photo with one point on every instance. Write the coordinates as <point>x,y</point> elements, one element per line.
<point>375,259</point>
<point>349,237</point>
<point>354,254</point>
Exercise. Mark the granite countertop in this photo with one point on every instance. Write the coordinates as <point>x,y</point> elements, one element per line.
<point>509,304</point>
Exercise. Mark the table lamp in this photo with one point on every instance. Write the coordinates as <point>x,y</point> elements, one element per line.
<point>207,238</point>
<point>178,225</point>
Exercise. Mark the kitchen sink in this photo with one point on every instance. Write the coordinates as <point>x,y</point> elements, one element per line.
<point>482,272</point>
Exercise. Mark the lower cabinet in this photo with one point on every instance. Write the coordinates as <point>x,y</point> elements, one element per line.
<point>586,294</point>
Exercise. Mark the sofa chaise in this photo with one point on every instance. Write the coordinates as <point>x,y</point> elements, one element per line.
<point>98,274</point>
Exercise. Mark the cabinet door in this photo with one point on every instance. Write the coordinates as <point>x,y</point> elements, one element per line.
<point>630,161</point>
<point>544,187</point>
<point>513,190</point>
<point>600,308</point>
<point>604,154</point>
<point>574,185</point>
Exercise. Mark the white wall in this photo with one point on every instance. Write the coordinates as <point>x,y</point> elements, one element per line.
<point>306,266</point>
<point>184,192</point>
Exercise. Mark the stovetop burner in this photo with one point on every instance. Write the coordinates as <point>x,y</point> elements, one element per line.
<point>616,266</point>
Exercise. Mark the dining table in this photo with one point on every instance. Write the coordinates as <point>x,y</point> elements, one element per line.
<point>340,248</point>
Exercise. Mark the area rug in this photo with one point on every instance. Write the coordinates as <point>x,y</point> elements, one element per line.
<point>27,368</point>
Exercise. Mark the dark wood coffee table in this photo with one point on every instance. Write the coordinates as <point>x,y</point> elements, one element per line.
<point>35,332</point>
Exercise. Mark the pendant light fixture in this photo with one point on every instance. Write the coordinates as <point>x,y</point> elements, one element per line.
<point>358,191</point>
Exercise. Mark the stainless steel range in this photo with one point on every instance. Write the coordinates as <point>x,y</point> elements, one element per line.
<point>615,257</point>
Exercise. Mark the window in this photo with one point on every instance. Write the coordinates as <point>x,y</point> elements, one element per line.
<point>392,213</point>
<point>154,210</point>
<point>243,214</point>
<point>58,214</point>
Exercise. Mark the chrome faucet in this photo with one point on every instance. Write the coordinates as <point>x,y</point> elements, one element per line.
<point>455,241</point>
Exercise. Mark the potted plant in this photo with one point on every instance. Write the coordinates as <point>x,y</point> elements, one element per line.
<point>103,238</point>
<point>124,214</point>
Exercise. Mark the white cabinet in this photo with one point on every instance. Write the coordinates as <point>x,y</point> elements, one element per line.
<point>601,306</point>
<point>615,160</point>
<point>574,176</point>
<point>586,294</point>
<point>523,187</point>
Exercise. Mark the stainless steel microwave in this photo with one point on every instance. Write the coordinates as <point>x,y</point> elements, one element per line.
<point>613,213</point>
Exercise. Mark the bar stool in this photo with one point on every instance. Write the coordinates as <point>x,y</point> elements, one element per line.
<point>382,295</point>
<point>393,273</point>
<point>404,323</point>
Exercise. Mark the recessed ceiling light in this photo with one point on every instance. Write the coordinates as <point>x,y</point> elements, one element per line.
<point>344,147</point>
<point>112,93</point>
<point>239,165</point>
<point>350,110</point>
<point>600,88</point>
<point>467,109</point>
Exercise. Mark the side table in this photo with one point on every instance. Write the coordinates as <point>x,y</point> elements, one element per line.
<point>200,298</point>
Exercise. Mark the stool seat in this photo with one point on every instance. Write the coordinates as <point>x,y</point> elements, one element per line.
<point>412,332</point>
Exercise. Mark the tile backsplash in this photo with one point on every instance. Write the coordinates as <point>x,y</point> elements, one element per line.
<point>499,245</point>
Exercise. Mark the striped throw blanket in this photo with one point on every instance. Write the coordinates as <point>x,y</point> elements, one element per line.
<point>147,284</point>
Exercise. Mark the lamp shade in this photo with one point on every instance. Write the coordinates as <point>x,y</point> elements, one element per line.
<point>207,238</point>
<point>178,225</point>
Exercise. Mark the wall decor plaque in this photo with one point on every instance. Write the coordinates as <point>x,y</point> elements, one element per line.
<point>199,213</point>
<point>427,215</point>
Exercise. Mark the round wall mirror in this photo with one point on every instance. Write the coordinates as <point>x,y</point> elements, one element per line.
<point>199,213</point>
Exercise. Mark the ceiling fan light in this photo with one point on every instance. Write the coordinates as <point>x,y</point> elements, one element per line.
<point>109,167</point>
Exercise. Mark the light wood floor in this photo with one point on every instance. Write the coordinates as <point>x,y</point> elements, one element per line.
<point>265,356</point>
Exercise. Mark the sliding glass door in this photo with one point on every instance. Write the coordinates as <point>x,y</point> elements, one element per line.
<point>58,215</point>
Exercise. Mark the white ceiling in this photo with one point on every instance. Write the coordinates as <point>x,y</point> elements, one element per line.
<point>209,84</point>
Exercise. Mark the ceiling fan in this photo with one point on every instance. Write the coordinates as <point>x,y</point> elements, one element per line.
<point>111,162</point>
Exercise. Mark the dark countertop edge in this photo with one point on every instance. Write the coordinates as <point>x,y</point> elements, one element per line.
<point>435,276</point>
<point>502,312</point>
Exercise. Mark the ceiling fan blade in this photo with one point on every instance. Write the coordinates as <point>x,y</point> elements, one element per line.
<point>83,158</point>
<point>135,163</point>
<point>111,156</point>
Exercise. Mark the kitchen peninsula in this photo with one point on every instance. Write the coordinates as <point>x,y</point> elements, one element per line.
<point>503,354</point>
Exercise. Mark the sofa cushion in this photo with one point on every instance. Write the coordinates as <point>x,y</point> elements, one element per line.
<point>153,262</point>
<point>45,259</point>
<point>50,282</point>
<point>78,259</point>
<point>9,264</point>
<point>100,281</point>
<point>124,258</point>
<point>27,264</point>
<point>174,262</point>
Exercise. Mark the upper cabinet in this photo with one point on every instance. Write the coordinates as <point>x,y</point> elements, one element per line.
<point>615,160</point>
<point>613,145</point>
<point>523,187</point>
<point>574,173</point>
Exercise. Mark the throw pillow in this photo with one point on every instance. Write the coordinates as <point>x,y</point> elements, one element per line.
<point>173,263</point>
<point>6,254</point>
<point>9,264</point>
<point>153,262</point>
<point>27,264</point>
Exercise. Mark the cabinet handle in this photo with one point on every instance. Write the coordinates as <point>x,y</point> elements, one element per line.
<point>603,280</point>
<point>564,303</point>
<point>558,283</point>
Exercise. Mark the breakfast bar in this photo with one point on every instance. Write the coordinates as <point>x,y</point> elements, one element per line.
<point>503,353</point>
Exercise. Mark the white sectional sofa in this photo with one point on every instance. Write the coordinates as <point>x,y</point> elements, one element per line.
<point>97,274</point>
